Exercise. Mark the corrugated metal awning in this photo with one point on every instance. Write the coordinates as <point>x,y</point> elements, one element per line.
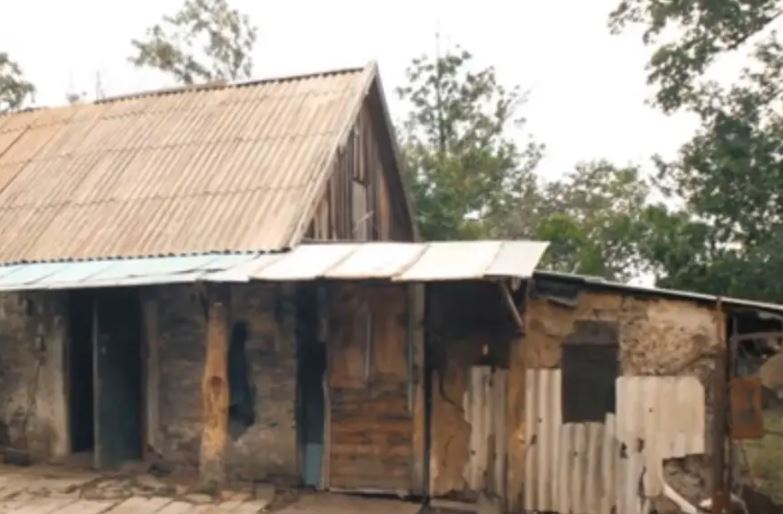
<point>419,262</point>
<point>406,262</point>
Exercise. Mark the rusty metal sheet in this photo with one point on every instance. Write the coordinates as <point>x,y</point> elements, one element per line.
<point>197,170</point>
<point>747,415</point>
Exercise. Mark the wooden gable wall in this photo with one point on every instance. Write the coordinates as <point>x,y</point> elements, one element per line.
<point>364,199</point>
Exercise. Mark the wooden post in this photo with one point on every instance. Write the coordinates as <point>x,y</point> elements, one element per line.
<point>151,372</point>
<point>415,330</point>
<point>214,391</point>
<point>720,497</point>
<point>516,442</point>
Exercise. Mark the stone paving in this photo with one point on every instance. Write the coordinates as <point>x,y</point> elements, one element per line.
<point>50,490</point>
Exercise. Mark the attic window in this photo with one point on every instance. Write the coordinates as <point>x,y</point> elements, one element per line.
<point>590,368</point>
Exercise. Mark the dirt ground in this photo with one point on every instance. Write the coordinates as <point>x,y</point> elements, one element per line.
<point>53,489</point>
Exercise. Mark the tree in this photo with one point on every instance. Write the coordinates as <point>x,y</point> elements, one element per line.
<point>205,41</point>
<point>14,89</point>
<point>467,173</point>
<point>593,218</point>
<point>730,174</point>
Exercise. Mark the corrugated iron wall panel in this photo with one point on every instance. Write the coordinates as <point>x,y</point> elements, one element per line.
<point>485,412</point>
<point>216,169</point>
<point>579,468</point>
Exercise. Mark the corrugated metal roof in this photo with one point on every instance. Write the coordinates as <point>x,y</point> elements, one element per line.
<point>354,261</point>
<point>115,272</point>
<point>602,283</point>
<point>596,468</point>
<point>411,262</point>
<point>198,170</point>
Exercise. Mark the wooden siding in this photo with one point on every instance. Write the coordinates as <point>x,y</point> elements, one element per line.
<point>371,445</point>
<point>359,203</point>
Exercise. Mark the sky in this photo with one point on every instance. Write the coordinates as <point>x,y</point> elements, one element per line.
<point>587,90</point>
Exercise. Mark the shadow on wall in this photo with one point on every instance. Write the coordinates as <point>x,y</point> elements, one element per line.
<point>241,415</point>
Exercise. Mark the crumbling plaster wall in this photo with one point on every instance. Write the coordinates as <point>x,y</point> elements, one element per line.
<point>33,333</point>
<point>468,325</point>
<point>657,336</point>
<point>267,449</point>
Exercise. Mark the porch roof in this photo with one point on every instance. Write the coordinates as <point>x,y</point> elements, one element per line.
<point>406,262</point>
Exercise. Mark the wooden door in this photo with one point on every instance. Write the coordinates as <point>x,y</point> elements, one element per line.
<point>371,404</point>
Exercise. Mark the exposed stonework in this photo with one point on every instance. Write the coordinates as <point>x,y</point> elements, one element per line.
<point>33,331</point>
<point>657,336</point>
<point>267,449</point>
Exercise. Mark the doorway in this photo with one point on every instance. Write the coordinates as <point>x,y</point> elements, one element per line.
<point>82,419</point>
<point>311,349</point>
<point>105,367</point>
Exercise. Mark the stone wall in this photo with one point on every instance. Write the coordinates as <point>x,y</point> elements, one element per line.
<point>657,336</point>
<point>267,449</point>
<point>33,332</point>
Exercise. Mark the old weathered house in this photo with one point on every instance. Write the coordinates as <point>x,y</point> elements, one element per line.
<point>227,279</point>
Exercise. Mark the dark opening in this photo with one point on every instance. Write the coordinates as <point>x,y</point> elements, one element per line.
<point>589,369</point>
<point>311,351</point>
<point>118,393</point>
<point>82,420</point>
<point>241,412</point>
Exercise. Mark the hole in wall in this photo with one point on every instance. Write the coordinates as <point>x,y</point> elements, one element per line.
<point>241,395</point>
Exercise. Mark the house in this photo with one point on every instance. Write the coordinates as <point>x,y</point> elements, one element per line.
<point>227,279</point>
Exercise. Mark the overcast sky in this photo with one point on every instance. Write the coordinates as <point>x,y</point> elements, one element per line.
<point>587,88</point>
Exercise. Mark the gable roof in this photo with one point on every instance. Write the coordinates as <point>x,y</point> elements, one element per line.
<point>198,170</point>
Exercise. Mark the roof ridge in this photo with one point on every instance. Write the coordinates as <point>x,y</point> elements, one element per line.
<point>223,84</point>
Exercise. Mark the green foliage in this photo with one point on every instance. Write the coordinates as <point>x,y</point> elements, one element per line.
<point>765,455</point>
<point>467,174</point>
<point>205,41</point>
<point>593,218</point>
<point>727,237</point>
<point>704,30</point>
<point>470,179</point>
<point>14,89</point>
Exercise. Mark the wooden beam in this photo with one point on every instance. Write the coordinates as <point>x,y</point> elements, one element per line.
<point>214,390</point>
<point>151,372</point>
<point>415,329</point>
<point>720,497</point>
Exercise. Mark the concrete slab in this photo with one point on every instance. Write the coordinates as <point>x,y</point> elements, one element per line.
<point>88,507</point>
<point>251,507</point>
<point>44,505</point>
<point>341,504</point>
<point>139,505</point>
<point>178,507</point>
